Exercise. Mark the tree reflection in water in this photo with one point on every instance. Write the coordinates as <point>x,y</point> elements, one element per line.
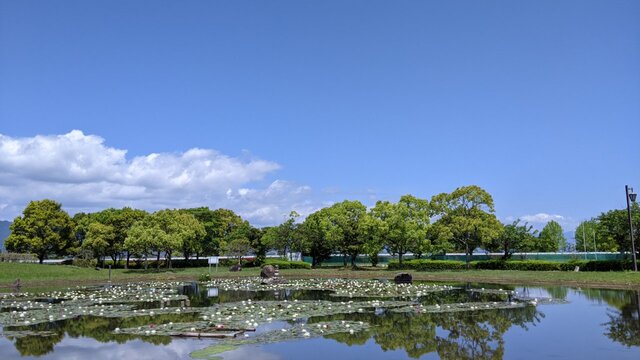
<point>459,335</point>
<point>98,328</point>
<point>624,323</point>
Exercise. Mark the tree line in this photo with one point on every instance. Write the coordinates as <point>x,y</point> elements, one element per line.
<point>461,221</point>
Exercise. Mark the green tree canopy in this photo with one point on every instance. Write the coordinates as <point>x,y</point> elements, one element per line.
<point>466,218</point>
<point>315,237</point>
<point>403,225</point>
<point>515,237</point>
<point>43,229</point>
<point>551,238</point>
<point>285,237</point>
<point>218,225</point>
<point>99,239</point>
<point>344,228</point>
<point>590,237</point>
<point>613,227</point>
<point>164,231</point>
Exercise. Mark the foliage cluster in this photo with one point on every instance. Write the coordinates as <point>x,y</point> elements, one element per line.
<point>461,221</point>
<point>609,231</point>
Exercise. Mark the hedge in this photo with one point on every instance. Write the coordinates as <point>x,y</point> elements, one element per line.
<point>527,265</point>
<point>284,264</point>
<point>425,265</point>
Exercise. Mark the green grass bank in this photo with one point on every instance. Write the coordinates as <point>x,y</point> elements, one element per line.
<point>51,276</point>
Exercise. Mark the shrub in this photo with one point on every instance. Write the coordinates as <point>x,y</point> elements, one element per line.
<point>427,265</point>
<point>527,265</point>
<point>204,277</point>
<point>523,265</point>
<point>284,264</point>
<point>607,265</point>
<point>86,263</point>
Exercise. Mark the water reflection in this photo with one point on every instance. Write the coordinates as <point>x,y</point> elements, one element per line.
<point>624,323</point>
<point>462,335</point>
<point>98,328</point>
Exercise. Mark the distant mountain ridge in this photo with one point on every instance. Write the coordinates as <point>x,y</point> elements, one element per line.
<point>4,232</point>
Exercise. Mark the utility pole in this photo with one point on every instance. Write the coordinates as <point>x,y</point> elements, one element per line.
<point>631,196</point>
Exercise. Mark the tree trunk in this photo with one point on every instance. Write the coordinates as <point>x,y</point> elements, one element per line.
<point>158,261</point>
<point>400,258</point>
<point>168,257</point>
<point>468,254</point>
<point>40,259</point>
<point>126,264</point>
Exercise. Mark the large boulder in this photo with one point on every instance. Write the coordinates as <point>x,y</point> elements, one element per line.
<point>403,278</point>
<point>267,272</point>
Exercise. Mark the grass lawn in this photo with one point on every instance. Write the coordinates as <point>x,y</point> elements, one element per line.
<point>51,276</point>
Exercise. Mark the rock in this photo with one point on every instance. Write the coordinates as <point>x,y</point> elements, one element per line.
<point>235,268</point>
<point>403,278</point>
<point>267,272</point>
<point>268,281</point>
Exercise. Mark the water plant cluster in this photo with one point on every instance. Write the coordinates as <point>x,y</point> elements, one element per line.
<point>338,287</point>
<point>350,307</point>
<point>26,309</point>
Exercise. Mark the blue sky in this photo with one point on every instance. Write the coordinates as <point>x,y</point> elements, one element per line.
<point>297,104</point>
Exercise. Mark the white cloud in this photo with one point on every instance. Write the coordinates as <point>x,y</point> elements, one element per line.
<point>85,174</point>
<point>539,220</point>
<point>542,218</point>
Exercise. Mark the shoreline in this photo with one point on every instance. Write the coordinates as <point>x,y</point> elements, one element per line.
<point>87,277</point>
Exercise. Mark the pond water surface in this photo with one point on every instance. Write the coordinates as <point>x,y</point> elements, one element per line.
<point>588,324</point>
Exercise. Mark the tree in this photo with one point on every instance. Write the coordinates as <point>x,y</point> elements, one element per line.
<point>344,228</point>
<point>192,232</point>
<point>144,237</point>
<point>223,222</point>
<point>373,231</point>
<point>238,243</point>
<point>122,220</point>
<point>285,237</point>
<point>244,239</point>
<point>164,231</point>
<point>466,217</point>
<point>98,239</point>
<point>551,238</point>
<point>404,224</point>
<point>514,237</point>
<point>218,224</point>
<point>43,229</point>
<point>613,227</point>
<point>590,237</point>
<point>314,236</point>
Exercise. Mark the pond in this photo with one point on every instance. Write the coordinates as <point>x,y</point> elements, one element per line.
<point>320,319</point>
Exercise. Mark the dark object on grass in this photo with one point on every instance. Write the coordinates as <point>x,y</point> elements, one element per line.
<point>267,272</point>
<point>17,285</point>
<point>235,268</point>
<point>403,278</point>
